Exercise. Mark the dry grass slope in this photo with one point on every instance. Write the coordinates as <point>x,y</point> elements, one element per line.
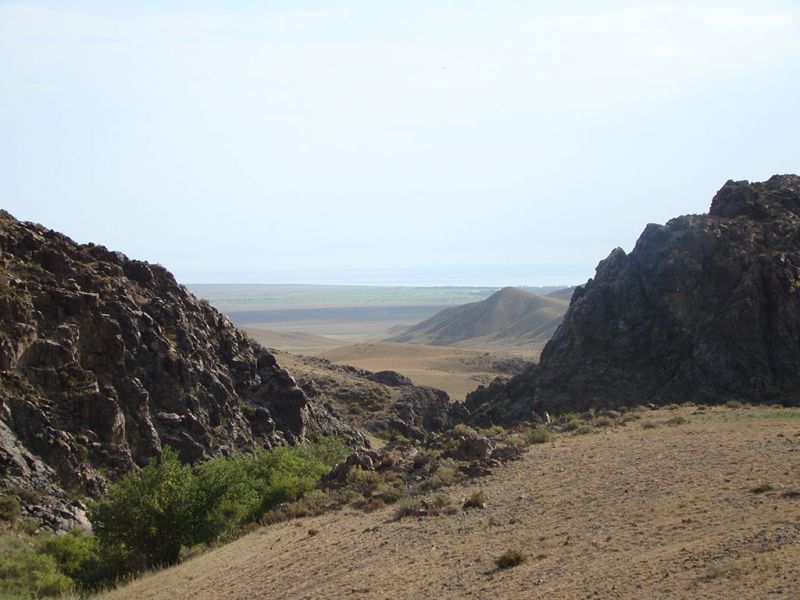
<point>456,371</point>
<point>510,319</point>
<point>666,511</point>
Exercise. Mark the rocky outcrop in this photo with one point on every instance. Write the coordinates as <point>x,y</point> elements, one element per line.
<point>705,308</point>
<point>384,403</point>
<point>104,360</point>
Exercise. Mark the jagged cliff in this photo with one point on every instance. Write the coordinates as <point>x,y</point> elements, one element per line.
<point>705,308</point>
<point>104,360</point>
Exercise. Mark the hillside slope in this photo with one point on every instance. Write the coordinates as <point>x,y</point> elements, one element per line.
<point>509,318</point>
<point>625,513</point>
<point>705,308</point>
<point>104,360</point>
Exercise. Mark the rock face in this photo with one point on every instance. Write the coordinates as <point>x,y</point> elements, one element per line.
<point>104,360</point>
<point>705,308</point>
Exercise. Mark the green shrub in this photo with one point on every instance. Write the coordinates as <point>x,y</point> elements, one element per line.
<point>9,509</point>
<point>240,489</point>
<point>26,574</point>
<point>538,436</point>
<point>79,556</point>
<point>150,514</point>
<point>510,558</point>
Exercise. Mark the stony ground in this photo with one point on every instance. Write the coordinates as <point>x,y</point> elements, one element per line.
<point>705,509</point>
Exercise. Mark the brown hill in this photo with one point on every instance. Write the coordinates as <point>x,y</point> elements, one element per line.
<point>705,308</point>
<point>509,319</point>
<point>104,360</point>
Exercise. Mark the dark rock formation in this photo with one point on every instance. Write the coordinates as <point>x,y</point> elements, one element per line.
<point>383,403</point>
<point>104,360</point>
<point>705,308</point>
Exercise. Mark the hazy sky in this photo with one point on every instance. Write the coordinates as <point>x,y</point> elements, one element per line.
<point>486,142</point>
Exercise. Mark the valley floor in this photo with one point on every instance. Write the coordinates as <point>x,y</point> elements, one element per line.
<point>704,509</point>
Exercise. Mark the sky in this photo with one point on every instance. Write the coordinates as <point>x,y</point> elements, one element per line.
<point>488,143</point>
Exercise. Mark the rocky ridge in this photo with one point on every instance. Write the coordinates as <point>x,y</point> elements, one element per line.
<point>705,308</point>
<point>383,403</point>
<point>104,360</point>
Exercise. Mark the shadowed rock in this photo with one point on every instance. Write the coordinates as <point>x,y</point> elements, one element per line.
<point>705,308</point>
<point>104,360</point>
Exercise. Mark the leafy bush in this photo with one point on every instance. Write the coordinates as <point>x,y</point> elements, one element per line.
<point>150,514</point>
<point>79,556</point>
<point>27,574</point>
<point>145,518</point>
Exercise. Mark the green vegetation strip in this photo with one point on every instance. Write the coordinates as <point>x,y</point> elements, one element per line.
<point>147,517</point>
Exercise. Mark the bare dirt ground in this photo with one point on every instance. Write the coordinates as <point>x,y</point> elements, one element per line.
<point>631,512</point>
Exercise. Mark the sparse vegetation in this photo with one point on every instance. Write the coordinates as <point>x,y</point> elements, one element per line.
<point>762,488</point>
<point>407,507</point>
<point>476,500</point>
<point>9,508</point>
<point>465,431</point>
<point>678,420</point>
<point>510,559</point>
<point>538,436</point>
